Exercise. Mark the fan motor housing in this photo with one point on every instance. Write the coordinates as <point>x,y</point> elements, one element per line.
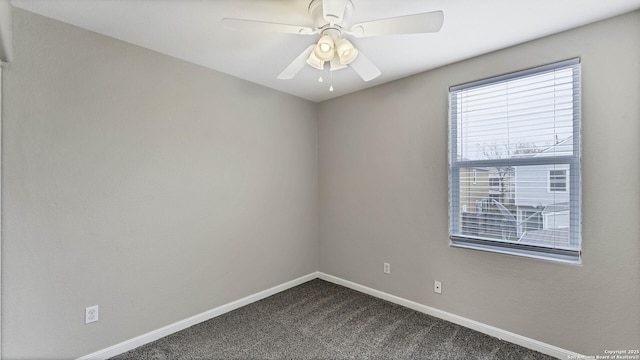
<point>322,22</point>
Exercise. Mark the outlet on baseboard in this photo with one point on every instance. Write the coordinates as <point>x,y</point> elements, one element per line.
<point>387,268</point>
<point>91,314</point>
<point>437,287</point>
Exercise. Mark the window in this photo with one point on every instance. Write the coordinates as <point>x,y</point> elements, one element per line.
<point>557,180</point>
<point>523,130</point>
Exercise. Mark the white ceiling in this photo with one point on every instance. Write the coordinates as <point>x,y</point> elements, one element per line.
<point>191,30</point>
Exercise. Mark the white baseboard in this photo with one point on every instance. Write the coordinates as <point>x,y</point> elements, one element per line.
<point>529,343</point>
<point>472,324</point>
<point>183,324</point>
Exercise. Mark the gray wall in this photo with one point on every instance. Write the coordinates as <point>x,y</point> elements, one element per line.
<point>152,187</point>
<point>383,197</point>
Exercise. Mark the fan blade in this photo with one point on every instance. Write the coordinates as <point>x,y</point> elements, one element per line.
<point>411,24</point>
<point>263,26</point>
<point>296,65</point>
<point>365,68</point>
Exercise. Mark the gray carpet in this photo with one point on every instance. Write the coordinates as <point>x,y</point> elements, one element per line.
<point>321,320</point>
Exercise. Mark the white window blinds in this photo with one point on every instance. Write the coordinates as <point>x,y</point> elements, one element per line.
<point>514,164</point>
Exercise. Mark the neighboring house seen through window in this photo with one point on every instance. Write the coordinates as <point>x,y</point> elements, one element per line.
<point>514,165</point>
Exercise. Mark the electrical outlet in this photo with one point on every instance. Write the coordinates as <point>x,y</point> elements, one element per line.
<point>437,287</point>
<point>91,314</point>
<point>387,268</point>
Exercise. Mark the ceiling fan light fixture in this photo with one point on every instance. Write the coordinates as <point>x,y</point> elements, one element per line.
<point>324,49</point>
<point>345,50</point>
<point>315,62</point>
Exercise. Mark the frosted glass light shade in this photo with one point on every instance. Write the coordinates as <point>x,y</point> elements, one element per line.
<point>313,61</point>
<point>345,50</point>
<point>324,49</point>
<point>336,65</point>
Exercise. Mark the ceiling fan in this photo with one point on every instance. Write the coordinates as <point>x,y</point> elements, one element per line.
<point>331,23</point>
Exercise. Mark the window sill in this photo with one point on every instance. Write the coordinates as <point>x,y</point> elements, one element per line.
<point>532,253</point>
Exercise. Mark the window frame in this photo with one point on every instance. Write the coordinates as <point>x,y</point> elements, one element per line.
<point>573,182</point>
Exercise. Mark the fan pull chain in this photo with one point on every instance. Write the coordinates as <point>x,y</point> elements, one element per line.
<point>330,80</point>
